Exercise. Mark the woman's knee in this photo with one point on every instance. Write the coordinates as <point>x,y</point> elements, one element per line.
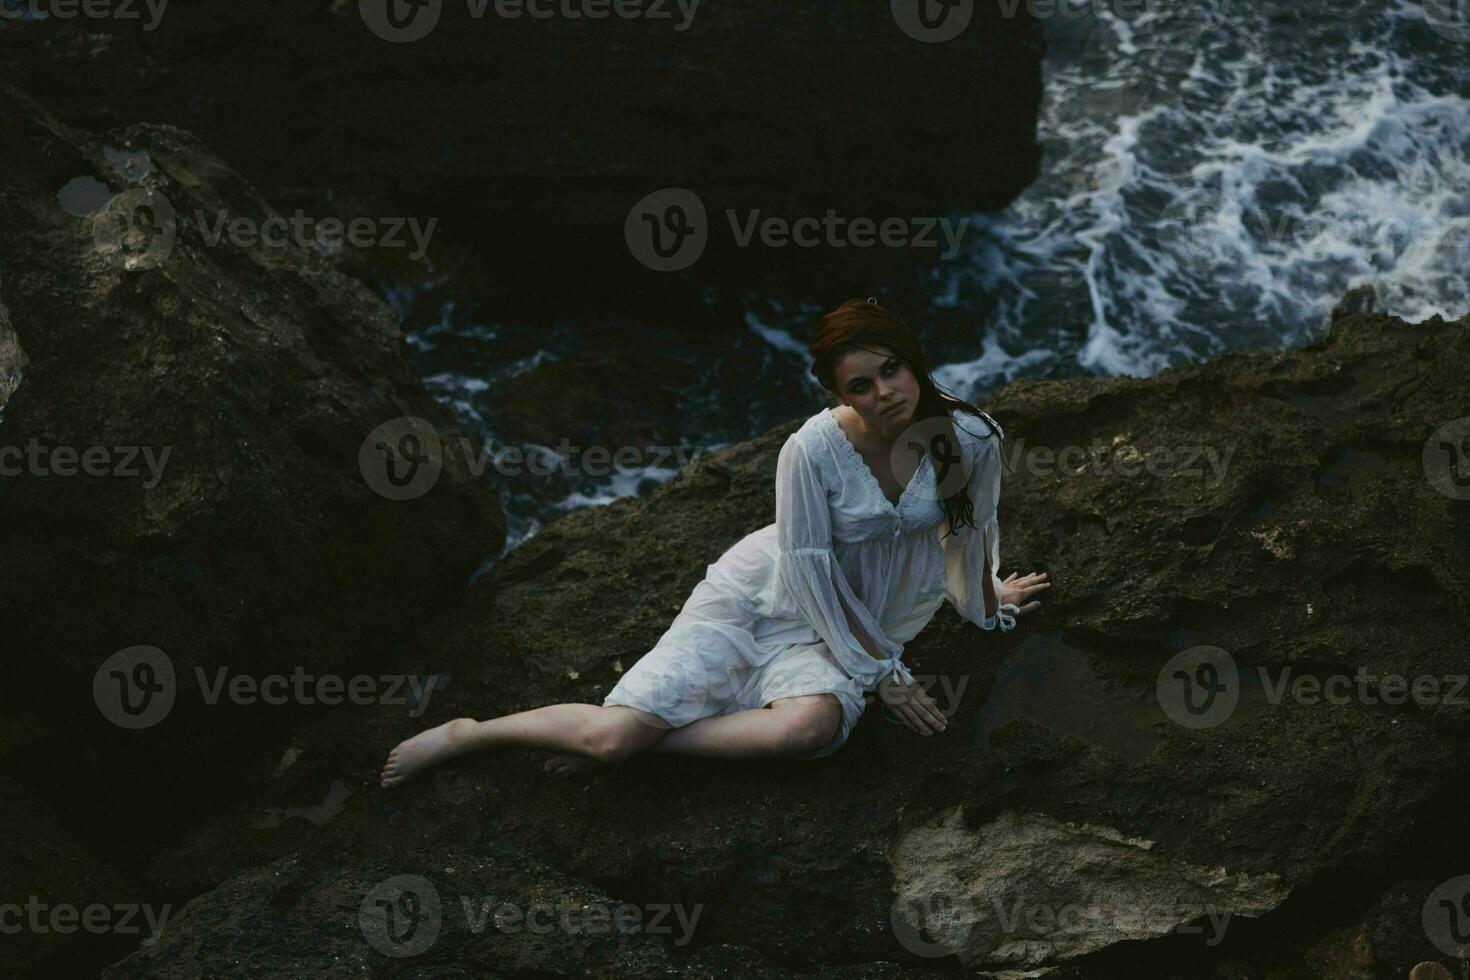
<point>619,735</point>
<point>811,721</point>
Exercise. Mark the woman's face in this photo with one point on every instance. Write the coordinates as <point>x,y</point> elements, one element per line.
<point>879,387</point>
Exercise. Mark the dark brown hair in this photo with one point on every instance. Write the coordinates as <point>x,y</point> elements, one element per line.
<point>863,325</point>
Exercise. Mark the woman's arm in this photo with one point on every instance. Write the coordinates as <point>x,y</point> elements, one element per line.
<point>861,635</point>
<point>811,579</point>
<point>972,554</point>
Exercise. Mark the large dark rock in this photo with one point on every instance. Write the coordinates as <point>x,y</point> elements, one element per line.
<point>247,537</point>
<point>536,137</point>
<point>1064,823</point>
<point>45,872</point>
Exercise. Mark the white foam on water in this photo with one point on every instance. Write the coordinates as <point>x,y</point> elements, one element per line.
<point>775,336</point>
<point>1319,162</point>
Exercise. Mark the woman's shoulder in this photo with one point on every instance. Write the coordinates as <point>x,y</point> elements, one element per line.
<point>813,433</point>
<point>975,430</point>
<point>813,439</point>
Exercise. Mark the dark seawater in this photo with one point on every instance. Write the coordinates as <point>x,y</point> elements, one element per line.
<point>1215,176</point>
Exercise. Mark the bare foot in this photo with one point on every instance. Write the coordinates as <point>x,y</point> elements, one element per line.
<point>566,765</point>
<point>424,751</point>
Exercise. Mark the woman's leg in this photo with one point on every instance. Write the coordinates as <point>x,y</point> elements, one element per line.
<point>790,726</point>
<point>605,734</point>
<point>593,734</point>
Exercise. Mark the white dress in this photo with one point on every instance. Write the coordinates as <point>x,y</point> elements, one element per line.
<point>768,620</point>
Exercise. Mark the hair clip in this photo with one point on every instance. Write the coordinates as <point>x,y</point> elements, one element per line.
<point>872,301</point>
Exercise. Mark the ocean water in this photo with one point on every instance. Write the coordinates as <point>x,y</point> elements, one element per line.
<point>1215,176</point>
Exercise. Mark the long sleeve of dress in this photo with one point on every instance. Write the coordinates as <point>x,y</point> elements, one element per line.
<point>972,554</point>
<point>811,579</point>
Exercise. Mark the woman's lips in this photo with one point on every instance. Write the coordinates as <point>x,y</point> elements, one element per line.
<point>892,408</point>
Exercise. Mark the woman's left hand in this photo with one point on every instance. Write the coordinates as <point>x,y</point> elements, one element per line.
<point>1017,588</point>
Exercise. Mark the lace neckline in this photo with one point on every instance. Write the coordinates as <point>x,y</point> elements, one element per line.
<point>855,458</point>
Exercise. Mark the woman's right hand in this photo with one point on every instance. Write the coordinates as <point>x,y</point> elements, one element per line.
<point>911,705</point>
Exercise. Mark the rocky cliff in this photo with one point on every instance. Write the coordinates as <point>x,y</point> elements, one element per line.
<point>534,133</point>
<point>186,438</point>
<point>1285,518</point>
<point>1198,760</point>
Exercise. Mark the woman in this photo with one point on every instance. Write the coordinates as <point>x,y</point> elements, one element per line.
<point>885,507</point>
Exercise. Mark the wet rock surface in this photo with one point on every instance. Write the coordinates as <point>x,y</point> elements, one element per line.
<point>1294,835</point>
